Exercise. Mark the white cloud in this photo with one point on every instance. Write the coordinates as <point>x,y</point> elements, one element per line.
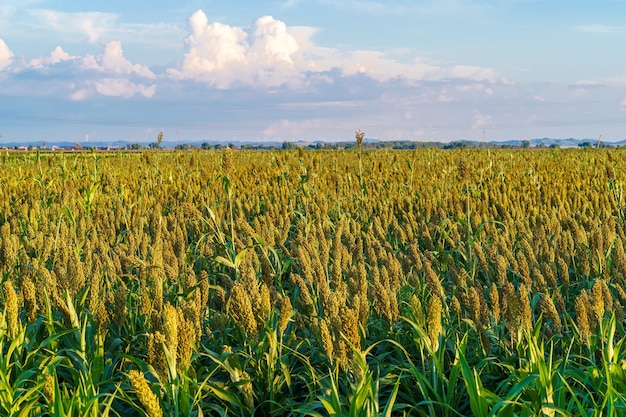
<point>6,56</point>
<point>118,69</point>
<point>109,73</point>
<point>272,44</point>
<point>113,60</point>
<point>224,55</point>
<point>56,56</point>
<point>271,54</point>
<point>214,47</point>
<point>120,87</point>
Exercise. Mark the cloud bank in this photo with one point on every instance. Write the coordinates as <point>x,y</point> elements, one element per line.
<point>267,55</point>
<point>271,54</point>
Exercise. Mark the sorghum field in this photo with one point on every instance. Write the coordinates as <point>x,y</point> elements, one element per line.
<point>356,283</point>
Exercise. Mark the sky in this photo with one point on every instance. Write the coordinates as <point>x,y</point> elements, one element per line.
<point>291,70</point>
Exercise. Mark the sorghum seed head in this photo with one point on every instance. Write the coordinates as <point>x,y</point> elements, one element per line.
<point>434,321</point>
<point>359,137</point>
<point>144,394</point>
<point>227,160</point>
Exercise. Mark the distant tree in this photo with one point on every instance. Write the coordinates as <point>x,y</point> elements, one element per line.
<point>525,144</point>
<point>456,145</point>
<point>159,140</point>
<point>586,144</point>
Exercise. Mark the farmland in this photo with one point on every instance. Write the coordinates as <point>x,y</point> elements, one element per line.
<point>303,282</point>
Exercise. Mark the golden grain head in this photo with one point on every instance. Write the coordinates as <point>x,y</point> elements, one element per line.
<point>145,395</point>
<point>435,309</point>
<point>11,308</point>
<point>359,137</point>
<point>227,160</point>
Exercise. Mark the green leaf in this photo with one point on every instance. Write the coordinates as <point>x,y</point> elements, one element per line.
<point>225,262</point>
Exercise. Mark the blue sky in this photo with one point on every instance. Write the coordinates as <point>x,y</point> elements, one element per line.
<point>312,69</point>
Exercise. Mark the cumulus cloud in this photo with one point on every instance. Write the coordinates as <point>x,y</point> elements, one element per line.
<point>272,44</point>
<point>56,56</point>
<point>6,56</point>
<point>119,71</point>
<point>109,73</point>
<point>271,54</point>
<point>224,55</point>
<point>113,60</point>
